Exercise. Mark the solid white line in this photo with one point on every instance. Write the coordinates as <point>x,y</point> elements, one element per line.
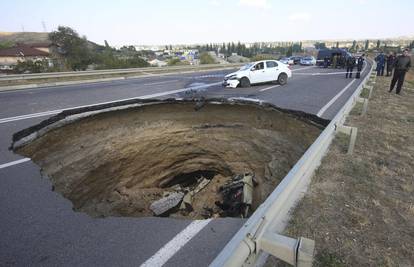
<point>5,165</point>
<point>268,88</point>
<point>175,244</point>
<point>324,108</point>
<point>53,112</point>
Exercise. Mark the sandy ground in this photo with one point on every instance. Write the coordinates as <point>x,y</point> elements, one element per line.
<point>118,163</point>
<point>360,208</point>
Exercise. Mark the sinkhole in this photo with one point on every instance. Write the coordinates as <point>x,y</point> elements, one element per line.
<point>124,159</point>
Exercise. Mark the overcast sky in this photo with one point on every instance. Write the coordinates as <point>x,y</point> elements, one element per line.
<point>184,21</point>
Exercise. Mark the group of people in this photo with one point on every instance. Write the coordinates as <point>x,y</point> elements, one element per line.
<point>397,64</point>
<point>351,62</point>
<point>385,61</point>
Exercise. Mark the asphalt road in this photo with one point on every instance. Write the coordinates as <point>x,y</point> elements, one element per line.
<point>38,226</point>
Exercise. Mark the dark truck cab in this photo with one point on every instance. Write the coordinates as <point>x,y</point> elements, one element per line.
<point>330,53</point>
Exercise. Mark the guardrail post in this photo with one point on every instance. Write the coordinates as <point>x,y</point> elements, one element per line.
<point>370,88</point>
<point>297,252</point>
<point>364,102</point>
<point>352,131</point>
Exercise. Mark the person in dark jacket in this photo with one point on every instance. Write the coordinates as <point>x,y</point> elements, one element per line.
<point>380,59</point>
<point>390,63</point>
<point>360,63</point>
<point>326,62</point>
<point>350,64</point>
<point>401,65</point>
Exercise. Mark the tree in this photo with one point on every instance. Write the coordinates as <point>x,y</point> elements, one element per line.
<point>75,49</point>
<point>206,58</point>
<point>106,44</point>
<point>353,45</point>
<point>366,45</point>
<point>289,51</point>
<point>319,45</point>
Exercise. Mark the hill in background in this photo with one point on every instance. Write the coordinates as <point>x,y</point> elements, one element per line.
<point>24,37</point>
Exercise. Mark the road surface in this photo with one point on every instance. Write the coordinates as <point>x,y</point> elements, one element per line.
<point>38,226</point>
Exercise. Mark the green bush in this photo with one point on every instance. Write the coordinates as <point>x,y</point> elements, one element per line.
<point>206,58</point>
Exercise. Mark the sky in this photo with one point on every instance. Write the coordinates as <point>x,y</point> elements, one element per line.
<point>156,22</point>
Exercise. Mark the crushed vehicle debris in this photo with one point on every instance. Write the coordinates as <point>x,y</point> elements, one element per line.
<point>169,157</point>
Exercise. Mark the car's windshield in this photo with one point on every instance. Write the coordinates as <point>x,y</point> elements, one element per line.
<point>247,66</point>
<point>308,58</point>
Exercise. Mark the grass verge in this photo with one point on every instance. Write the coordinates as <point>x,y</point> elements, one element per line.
<point>360,208</point>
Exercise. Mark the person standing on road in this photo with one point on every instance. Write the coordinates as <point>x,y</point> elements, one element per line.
<point>360,63</point>
<point>401,65</point>
<point>390,63</point>
<point>325,62</point>
<point>380,59</point>
<point>350,64</point>
<point>334,61</point>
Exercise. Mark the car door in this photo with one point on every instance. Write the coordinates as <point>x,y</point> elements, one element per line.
<point>258,73</point>
<point>272,69</point>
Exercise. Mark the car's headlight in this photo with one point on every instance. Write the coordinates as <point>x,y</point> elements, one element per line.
<point>233,77</point>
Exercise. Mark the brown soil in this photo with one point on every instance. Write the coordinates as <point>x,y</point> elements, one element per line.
<point>118,163</point>
<point>360,208</point>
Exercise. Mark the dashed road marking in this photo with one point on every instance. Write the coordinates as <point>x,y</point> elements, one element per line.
<point>175,244</point>
<point>5,165</point>
<point>268,88</point>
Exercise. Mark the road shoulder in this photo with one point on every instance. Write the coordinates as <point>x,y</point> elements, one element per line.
<point>360,208</point>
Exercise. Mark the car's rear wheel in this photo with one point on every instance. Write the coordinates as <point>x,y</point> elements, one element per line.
<point>282,79</point>
<point>244,82</point>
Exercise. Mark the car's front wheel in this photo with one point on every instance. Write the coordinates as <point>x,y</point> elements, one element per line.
<point>244,82</point>
<point>282,79</point>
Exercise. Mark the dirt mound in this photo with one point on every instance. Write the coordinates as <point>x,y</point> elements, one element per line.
<point>118,161</point>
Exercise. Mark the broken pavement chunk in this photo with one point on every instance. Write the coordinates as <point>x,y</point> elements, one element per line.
<point>165,204</point>
<point>188,198</point>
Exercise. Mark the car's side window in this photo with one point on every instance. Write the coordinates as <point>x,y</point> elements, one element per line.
<point>271,64</point>
<point>259,66</point>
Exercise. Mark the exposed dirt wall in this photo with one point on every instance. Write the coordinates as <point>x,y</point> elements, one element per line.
<point>119,162</point>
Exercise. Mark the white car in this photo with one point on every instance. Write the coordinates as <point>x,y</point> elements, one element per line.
<point>308,61</point>
<point>287,61</point>
<point>259,72</point>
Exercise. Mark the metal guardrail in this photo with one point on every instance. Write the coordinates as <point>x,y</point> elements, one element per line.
<point>259,233</point>
<point>13,77</point>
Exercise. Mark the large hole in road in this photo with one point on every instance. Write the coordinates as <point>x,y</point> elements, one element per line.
<point>169,158</point>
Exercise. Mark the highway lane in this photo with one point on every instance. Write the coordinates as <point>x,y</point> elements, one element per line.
<point>38,226</point>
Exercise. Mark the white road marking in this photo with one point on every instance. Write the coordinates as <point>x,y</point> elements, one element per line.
<point>268,88</point>
<point>324,108</point>
<point>175,244</point>
<point>321,73</point>
<point>5,165</point>
<point>53,112</point>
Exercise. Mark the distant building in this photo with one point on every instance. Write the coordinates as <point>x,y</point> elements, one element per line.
<point>9,57</point>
